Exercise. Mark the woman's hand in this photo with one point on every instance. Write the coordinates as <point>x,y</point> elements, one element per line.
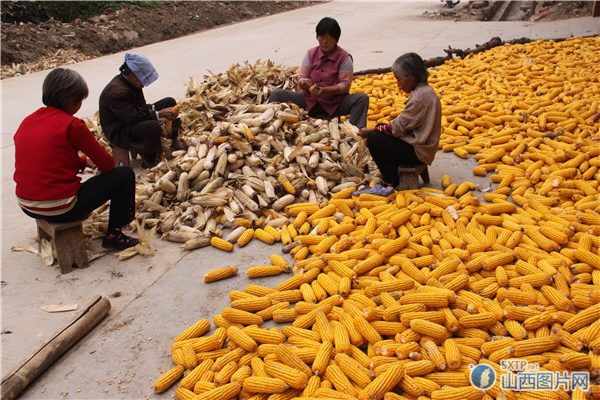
<point>364,132</point>
<point>305,84</point>
<point>168,114</point>
<point>89,163</point>
<point>317,92</point>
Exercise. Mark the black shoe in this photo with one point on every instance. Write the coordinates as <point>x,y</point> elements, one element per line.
<point>119,242</point>
<point>175,146</point>
<point>147,165</point>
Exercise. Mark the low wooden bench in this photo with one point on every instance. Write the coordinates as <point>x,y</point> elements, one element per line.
<point>409,176</point>
<point>67,240</point>
<point>121,155</point>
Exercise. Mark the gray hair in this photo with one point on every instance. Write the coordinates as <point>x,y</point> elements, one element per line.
<point>411,64</point>
<point>62,85</point>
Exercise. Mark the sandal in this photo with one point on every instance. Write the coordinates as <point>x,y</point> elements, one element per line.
<point>119,242</point>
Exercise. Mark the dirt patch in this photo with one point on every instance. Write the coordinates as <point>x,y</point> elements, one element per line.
<point>542,10</point>
<point>119,30</point>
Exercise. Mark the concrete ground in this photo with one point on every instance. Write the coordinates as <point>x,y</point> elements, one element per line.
<point>154,299</point>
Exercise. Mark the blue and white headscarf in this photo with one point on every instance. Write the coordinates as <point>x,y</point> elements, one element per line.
<point>142,68</point>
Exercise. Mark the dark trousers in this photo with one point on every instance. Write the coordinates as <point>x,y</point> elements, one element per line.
<point>390,152</point>
<point>355,104</point>
<point>148,132</point>
<point>118,186</point>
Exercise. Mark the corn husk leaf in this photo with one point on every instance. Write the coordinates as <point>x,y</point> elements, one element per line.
<point>61,308</point>
<point>25,248</point>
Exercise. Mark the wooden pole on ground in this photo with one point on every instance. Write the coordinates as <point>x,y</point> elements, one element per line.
<point>56,345</point>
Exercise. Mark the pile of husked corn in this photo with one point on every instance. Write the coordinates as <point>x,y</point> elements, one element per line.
<point>399,295</point>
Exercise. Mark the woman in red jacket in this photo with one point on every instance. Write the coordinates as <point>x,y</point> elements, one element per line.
<point>47,161</point>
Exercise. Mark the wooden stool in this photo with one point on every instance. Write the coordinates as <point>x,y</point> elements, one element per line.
<point>121,155</point>
<point>409,176</point>
<point>67,240</point>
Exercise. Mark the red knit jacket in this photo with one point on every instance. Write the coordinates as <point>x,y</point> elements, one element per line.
<point>47,160</point>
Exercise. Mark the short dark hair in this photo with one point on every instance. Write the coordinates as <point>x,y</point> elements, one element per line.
<point>411,64</point>
<point>329,25</point>
<point>125,69</point>
<point>62,85</point>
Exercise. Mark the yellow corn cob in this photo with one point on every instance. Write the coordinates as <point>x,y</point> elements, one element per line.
<point>221,244</point>
<point>286,184</point>
<point>220,273</point>
<point>321,361</point>
<point>281,262</point>
<point>353,370</point>
<point>168,379</point>
<point>383,383</point>
<point>267,270</point>
<point>264,236</point>
<point>341,382</point>
<point>534,346</point>
<point>241,317</point>
<point>428,328</point>
<point>224,375</point>
<point>246,237</point>
<point>452,354</point>
<point>241,375</point>
<point>289,358</point>
<point>294,378</point>
<point>188,356</point>
<point>222,392</point>
<point>193,377</point>
<point>257,384</point>
<point>194,331</point>
<point>468,393</point>
<point>366,330</point>
<point>291,283</point>
<point>204,385</point>
<point>241,338</point>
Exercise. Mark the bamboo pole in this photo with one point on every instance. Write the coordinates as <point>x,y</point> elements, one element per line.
<point>52,348</point>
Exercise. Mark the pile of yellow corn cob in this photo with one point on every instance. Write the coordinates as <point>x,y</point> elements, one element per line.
<point>431,282</point>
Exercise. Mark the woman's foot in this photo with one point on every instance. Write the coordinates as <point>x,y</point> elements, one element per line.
<point>118,241</point>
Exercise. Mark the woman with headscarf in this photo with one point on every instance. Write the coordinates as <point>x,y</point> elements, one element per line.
<point>411,138</point>
<point>124,115</point>
<point>325,79</point>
